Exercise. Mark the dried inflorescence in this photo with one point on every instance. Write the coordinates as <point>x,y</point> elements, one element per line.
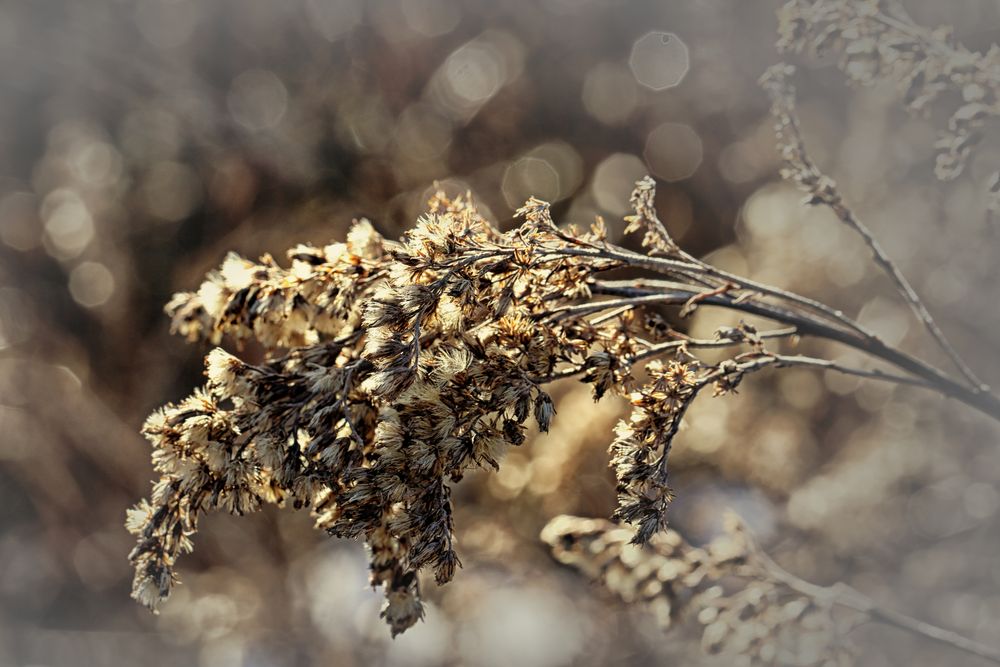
<point>267,433</point>
<point>391,369</point>
<point>877,40</point>
<point>639,452</point>
<point>727,588</point>
<point>314,299</point>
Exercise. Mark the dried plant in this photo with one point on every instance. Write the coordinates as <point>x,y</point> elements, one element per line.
<point>749,608</point>
<point>877,40</point>
<point>725,588</point>
<point>391,368</point>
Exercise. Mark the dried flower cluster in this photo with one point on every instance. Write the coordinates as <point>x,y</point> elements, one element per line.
<point>392,368</point>
<point>728,588</point>
<point>639,453</point>
<point>877,40</point>
<point>259,434</point>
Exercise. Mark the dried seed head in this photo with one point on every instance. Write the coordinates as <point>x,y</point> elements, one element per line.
<point>390,370</point>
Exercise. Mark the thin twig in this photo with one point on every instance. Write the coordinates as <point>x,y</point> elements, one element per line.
<point>679,296</point>
<point>871,374</point>
<point>909,294</point>
<point>758,361</point>
<point>822,189</point>
<point>703,343</point>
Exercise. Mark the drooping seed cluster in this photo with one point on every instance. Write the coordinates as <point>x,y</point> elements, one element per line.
<point>391,369</point>
<point>288,429</point>
<point>639,452</point>
<point>744,612</point>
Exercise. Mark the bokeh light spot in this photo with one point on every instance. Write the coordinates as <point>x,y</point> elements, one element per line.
<point>69,228</point>
<point>567,163</point>
<point>474,73</point>
<point>257,100</point>
<point>673,151</point>
<point>91,284</point>
<point>527,177</point>
<point>96,163</point>
<point>659,60</point>
<point>887,319</point>
<point>609,93</point>
<point>614,180</point>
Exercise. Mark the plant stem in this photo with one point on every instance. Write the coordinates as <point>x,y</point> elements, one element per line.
<point>801,170</point>
<point>807,325</point>
<point>692,266</point>
<point>850,598</point>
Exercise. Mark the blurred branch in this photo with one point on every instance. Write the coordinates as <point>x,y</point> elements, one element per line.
<point>821,189</point>
<point>848,597</point>
<point>769,598</point>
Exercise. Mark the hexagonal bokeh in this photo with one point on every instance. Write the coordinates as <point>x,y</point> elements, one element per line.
<point>614,179</point>
<point>659,60</point>
<point>610,93</point>
<point>673,151</point>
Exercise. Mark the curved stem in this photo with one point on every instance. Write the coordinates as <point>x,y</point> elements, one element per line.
<point>693,266</point>
<point>981,400</point>
<point>822,322</point>
<point>821,189</point>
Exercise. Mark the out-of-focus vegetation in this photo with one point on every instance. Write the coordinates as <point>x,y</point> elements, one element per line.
<point>139,141</point>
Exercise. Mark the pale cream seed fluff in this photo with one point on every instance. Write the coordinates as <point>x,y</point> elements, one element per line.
<point>237,272</point>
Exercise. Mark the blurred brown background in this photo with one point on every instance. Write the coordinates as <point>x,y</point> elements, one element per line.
<point>139,141</point>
